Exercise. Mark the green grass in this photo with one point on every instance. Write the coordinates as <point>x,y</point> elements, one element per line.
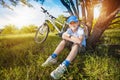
<point>112,36</point>
<point>21,59</point>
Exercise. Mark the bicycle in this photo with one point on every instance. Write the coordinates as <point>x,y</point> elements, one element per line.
<point>43,31</point>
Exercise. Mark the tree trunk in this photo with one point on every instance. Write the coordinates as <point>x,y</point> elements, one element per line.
<point>104,20</point>
<point>89,20</point>
<point>83,11</point>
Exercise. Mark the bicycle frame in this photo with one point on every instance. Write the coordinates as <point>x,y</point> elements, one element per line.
<point>53,20</point>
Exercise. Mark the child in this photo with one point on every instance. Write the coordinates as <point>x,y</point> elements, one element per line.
<point>75,36</point>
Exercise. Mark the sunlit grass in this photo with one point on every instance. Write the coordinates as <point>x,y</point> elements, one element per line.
<point>21,59</point>
<point>112,36</point>
<point>16,35</point>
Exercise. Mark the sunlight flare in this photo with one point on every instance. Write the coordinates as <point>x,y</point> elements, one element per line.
<point>97,10</point>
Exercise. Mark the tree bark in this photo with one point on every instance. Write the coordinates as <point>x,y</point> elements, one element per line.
<point>89,20</point>
<point>82,3</point>
<point>103,22</point>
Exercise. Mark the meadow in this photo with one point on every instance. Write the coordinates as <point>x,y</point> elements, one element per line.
<point>21,58</point>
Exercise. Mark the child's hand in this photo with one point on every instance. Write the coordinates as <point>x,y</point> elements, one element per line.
<point>75,40</point>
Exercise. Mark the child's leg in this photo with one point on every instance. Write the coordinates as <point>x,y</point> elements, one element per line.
<point>71,55</point>
<point>58,72</point>
<point>73,52</point>
<point>60,47</point>
<point>52,59</point>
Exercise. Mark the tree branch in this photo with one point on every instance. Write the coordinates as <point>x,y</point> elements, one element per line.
<point>111,16</point>
<point>82,3</point>
<point>116,22</point>
<point>67,6</point>
<point>116,17</point>
<point>73,8</point>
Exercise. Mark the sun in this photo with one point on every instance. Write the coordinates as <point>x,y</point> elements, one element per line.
<point>97,10</point>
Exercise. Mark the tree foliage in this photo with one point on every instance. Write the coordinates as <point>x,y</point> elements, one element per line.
<point>9,29</point>
<point>28,29</point>
<point>12,29</point>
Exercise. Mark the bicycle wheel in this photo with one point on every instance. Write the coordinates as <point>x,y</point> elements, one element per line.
<point>41,33</point>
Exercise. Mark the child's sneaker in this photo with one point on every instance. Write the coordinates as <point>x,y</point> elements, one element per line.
<point>49,61</point>
<point>58,72</point>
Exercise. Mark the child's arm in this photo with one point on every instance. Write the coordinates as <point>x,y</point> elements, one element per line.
<point>72,38</point>
<point>77,40</point>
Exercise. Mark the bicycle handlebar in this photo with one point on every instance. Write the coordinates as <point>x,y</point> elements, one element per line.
<point>45,11</point>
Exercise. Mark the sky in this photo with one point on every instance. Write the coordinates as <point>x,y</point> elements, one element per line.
<point>22,15</point>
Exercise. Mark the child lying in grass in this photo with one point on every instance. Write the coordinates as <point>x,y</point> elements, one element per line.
<point>74,36</point>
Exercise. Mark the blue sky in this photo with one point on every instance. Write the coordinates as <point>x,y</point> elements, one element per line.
<point>23,15</point>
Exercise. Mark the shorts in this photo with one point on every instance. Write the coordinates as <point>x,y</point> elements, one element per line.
<point>69,45</point>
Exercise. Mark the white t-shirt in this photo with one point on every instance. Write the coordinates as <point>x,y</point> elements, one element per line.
<point>78,33</point>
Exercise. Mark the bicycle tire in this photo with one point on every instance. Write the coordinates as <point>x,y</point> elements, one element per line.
<point>39,36</point>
